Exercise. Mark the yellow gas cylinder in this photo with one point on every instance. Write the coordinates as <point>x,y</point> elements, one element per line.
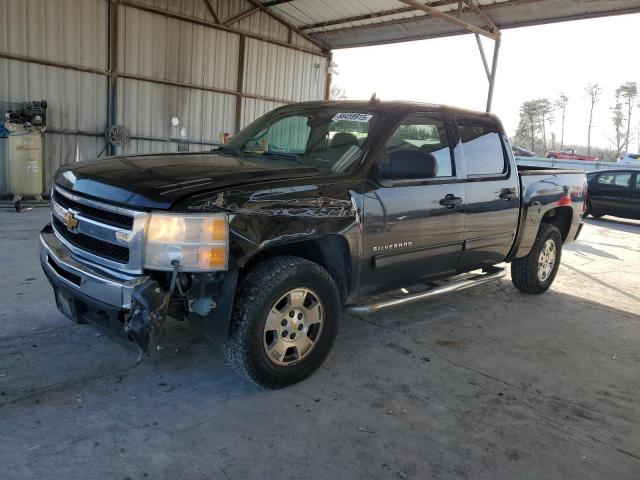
<point>25,173</point>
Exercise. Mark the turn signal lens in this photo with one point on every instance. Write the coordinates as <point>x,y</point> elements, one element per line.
<point>212,258</point>
<point>214,229</point>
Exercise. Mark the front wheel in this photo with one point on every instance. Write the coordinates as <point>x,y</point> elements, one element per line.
<point>284,322</point>
<point>535,272</point>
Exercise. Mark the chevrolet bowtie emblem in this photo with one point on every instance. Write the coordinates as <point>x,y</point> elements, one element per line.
<point>70,221</point>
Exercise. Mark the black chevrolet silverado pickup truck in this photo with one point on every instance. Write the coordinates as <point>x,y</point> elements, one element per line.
<point>313,209</point>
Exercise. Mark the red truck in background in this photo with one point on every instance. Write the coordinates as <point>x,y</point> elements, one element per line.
<point>570,154</point>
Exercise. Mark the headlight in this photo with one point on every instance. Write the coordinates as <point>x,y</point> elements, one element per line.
<point>198,242</point>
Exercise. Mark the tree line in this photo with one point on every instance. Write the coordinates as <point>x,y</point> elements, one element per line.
<point>538,118</point>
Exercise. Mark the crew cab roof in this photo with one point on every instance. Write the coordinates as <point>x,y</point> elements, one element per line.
<point>394,106</point>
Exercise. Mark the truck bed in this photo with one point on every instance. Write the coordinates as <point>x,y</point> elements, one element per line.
<point>545,190</point>
<point>533,170</point>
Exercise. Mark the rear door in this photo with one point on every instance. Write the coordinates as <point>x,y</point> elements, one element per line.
<point>492,192</point>
<point>634,197</point>
<point>413,206</point>
<point>611,193</point>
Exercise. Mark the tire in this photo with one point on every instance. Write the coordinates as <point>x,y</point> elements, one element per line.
<point>527,273</point>
<point>259,298</point>
<point>591,212</point>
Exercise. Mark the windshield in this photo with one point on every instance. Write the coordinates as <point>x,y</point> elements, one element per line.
<point>331,138</point>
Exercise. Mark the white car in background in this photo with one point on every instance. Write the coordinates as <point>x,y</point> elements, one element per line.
<point>629,158</point>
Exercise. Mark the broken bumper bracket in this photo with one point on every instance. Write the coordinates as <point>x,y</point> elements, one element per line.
<point>149,305</point>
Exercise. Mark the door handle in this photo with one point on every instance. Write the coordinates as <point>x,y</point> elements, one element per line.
<point>507,193</point>
<point>450,201</point>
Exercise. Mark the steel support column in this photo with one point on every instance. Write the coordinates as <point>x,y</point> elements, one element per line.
<point>494,68</point>
<point>327,86</point>
<point>491,73</point>
<point>240,83</point>
<point>112,99</point>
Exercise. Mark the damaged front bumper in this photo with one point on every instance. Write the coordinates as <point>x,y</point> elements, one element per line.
<point>88,294</point>
<point>132,309</point>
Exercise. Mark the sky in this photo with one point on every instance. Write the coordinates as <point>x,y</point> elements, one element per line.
<point>534,62</point>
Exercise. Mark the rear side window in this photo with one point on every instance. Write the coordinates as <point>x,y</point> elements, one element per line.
<point>482,146</point>
<point>617,179</point>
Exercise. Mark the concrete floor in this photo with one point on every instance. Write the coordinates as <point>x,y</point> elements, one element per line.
<point>483,384</point>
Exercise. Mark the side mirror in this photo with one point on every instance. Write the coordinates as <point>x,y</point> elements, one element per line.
<point>409,165</point>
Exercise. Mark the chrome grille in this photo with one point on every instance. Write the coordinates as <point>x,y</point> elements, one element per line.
<point>92,245</point>
<point>107,235</point>
<point>100,215</point>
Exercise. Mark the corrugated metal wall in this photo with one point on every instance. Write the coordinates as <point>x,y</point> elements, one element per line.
<point>69,32</point>
<point>168,66</point>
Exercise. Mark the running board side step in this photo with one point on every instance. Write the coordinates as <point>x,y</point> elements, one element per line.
<point>490,275</point>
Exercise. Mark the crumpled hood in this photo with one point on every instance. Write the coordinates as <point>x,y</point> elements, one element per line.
<point>160,181</point>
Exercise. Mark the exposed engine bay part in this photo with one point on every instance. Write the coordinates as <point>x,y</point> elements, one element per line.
<point>149,305</point>
<point>210,303</point>
<point>204,287</point>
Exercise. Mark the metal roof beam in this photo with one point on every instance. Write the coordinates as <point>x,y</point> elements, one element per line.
<point>240,16</point>
<point>369,16</point>
<point>212,11</point>
<point>483,16</point>
<point>356,18</point>
<point>451,19</point>
<point>288,24</point>
<point>206,23</point>
<point>273,3</point>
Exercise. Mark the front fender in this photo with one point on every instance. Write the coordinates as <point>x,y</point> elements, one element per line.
<point>265,220</point>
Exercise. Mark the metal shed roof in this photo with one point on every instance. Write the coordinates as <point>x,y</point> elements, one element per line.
<point>354,23</point>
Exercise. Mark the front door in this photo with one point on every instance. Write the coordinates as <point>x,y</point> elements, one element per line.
<point>492,193</point>
<point>413,207</point>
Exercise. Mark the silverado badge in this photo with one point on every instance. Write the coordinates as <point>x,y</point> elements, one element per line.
<point>70,220</point>
<point>392,246</point>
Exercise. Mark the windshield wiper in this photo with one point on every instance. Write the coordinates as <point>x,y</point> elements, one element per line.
<point>288,156</point>
<point>229,149</point>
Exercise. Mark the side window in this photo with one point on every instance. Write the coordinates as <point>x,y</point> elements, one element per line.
<point>637,181</point>
<point>482,146</point>
<point>617,179</point>
<point>418,149</point>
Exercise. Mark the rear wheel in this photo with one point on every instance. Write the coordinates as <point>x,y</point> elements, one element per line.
<point>535,272</point>
<point>284,322</point>
<point>591,212</point>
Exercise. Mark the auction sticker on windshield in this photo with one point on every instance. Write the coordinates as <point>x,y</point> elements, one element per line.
<point>352,117</point>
